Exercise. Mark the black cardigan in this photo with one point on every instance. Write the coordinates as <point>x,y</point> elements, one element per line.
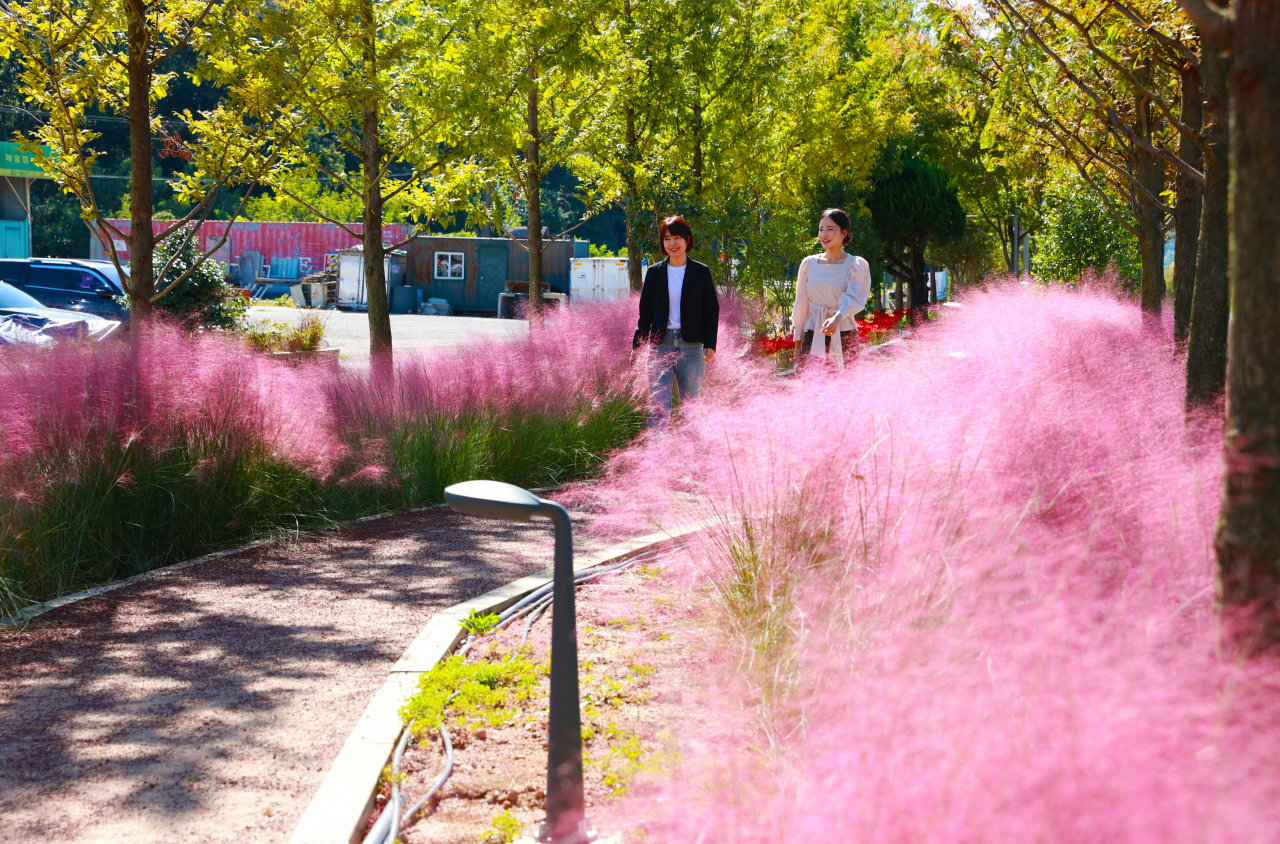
<point>699,307</point>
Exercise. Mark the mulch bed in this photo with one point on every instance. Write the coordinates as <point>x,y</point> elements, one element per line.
<point>640,653</point>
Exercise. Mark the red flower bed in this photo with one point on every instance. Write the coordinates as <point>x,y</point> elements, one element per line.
<point>875,322</point>
<point>773,345</point>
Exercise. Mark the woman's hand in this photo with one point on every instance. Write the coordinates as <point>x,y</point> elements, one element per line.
<point>829,327</point>
<point>707,355</point>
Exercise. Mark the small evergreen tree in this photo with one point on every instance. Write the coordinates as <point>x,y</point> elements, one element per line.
<point>205,298</point>
<point>914,205</point>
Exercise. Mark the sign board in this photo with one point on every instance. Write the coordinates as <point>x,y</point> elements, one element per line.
<point>15,162</point>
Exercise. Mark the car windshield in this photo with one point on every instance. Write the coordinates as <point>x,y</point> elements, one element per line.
<point>12,297</point>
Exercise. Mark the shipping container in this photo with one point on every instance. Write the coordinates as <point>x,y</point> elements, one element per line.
<point>307,243</point>
<point>600,279</point>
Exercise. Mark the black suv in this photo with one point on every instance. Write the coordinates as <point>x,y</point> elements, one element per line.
<point>74,285</point>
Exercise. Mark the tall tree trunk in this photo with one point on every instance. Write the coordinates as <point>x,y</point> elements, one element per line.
<point>1210,301</point>
<point>142,281</point>
<point>697,148</point>
<point>1248,534</point>
<point>375,276</point>
<point>1187,225</point>
<point>1008,234</point>
<point>631,211</point>
<point>1150,173</point>
<point>919,285</point>
<point>533,186</point>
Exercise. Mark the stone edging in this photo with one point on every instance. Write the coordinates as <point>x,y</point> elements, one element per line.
<point>346,794</point>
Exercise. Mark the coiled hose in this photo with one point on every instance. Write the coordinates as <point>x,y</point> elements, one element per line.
<point>386,829</point>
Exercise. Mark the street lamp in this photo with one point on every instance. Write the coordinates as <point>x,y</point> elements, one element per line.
<point>566,821</point>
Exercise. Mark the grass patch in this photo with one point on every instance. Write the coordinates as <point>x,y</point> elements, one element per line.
<point>474,694</point>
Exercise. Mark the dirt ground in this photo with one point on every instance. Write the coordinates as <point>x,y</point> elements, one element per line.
<point>640,654</point>
<point>208,704</point>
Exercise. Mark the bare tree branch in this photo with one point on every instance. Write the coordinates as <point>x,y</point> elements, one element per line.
<point>1190,132</point>
<point>185,39</point>
<point>226,232</point>
<point>304,203</point>
<point>1174,45</point>
<point>1217,24</point>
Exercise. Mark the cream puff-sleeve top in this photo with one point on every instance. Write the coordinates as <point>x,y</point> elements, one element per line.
<point>825,289</point>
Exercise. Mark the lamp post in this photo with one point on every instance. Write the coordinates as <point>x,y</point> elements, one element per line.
<point>566,821</point>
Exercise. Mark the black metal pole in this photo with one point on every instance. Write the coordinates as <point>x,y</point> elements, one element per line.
<point>566,803</point>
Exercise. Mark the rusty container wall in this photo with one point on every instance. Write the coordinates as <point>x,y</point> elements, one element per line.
<point>308,241</point>
<point>488,263</point>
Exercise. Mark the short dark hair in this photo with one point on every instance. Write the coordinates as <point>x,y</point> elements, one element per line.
<point>676,227</point>
<point>841,219</point>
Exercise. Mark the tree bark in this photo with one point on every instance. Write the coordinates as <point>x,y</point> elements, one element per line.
<point>1210,300</point>
<point>533,186</point>
<point>1150,173</point>
<point>919,285</point>
<point>633,238</point>
<point>1186,235</point>
<point>1248,532</point>
<point>375,277</point>
<point>697,149</point>
<point>142,282</point>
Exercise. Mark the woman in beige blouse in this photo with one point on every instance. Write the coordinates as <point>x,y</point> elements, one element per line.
<point>831,289</point>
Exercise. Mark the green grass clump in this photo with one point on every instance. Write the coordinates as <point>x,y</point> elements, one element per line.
<point>127,508</point>
<point>472,693</point>
<point>479,624</point>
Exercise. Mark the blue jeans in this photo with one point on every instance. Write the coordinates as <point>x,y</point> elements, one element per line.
<point>675,361</point>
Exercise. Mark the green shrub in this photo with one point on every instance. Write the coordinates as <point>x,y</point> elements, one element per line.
<point>306,336</point>
<point>1081,234</point>
<point>205,298</point>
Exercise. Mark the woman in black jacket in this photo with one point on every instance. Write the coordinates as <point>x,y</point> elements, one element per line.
<point>679,315</point>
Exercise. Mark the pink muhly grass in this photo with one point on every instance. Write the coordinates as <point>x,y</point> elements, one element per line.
<point>972,585</point>
<point>158,389</point>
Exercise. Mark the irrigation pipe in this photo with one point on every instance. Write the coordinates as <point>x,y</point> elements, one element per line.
<point>390,821</point>
<point>444,775</point>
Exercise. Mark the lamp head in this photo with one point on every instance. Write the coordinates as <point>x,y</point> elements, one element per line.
<point>493,500</point>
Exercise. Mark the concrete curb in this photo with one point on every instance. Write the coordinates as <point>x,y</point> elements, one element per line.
<point>346,794</point>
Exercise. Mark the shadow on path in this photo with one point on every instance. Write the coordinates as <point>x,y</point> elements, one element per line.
<point>208,704</point>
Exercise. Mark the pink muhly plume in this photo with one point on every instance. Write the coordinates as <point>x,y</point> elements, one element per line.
<point>157,388</point>
<point>971,583</point>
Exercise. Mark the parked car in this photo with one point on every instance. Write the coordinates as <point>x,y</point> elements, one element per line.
<point>82,286</point>
<point>24,320</point>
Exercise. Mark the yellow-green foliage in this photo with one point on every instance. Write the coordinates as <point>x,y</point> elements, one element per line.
<point>483,693</point>
<point>504,829</point>
<point>479,625</point>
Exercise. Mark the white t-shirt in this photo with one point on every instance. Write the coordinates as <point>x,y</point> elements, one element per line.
<point>675,284</point>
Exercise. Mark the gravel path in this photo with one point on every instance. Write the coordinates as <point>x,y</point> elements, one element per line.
<point>207,705</point>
